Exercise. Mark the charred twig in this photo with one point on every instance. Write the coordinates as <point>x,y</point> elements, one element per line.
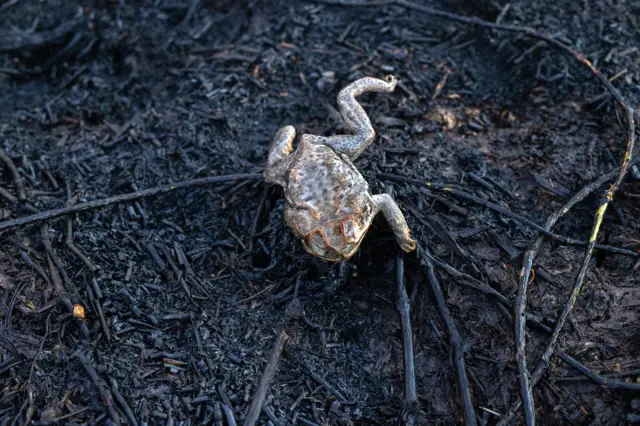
<point>69,239</point>
<point>468,280</point>
<point>253,296</point>
<point>129,238</point>
<point>613,384</point>
<point>145,193</point>
<point>75,250</point>
<point>328,386</point>
<point>47,325</point>
<point>441,84</point>
<point>8,196</point>
<point>192,9</point>
<point>208,360</point>
<point>123,403</point>
<point>105,394</point>
<point>225,397</point>
<point>217,414</point>
<point>58,288</point>
<point>456,343</point>
<point>12,303</point>
<point>55,277</point>
<point>35,266</point>
<point>8,4</point>
<point>68,81</point>
<point>271,416</point>
<point>269,371</point>
<point>27,41</point>
<point>443,234</point>
<point>526,391</point>
<point>178,274</point>
<point>69,415</point>
<point>628,373</point>
<point>410,393</point>
<point>95,288</point>
<point>17,179</point>
<point>58,264</point>
<point>464,195</point>
<point>95,302</point>
<point>480,181</point>
<point>228,413</point>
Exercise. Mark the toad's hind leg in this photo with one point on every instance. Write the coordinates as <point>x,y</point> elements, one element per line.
<point>391,212</point>
<point>279,157</point>
<point>355,117</point>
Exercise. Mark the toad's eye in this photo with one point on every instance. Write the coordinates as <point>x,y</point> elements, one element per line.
<point>351,229</point>
<point>316,242</point>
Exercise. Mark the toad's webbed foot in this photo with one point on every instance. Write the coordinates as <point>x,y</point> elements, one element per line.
<point>385,204</point>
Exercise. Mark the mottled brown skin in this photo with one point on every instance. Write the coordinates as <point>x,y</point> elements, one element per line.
<point>329,204</point>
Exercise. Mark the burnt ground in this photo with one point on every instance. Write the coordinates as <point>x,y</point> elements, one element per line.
<point>185,293</point>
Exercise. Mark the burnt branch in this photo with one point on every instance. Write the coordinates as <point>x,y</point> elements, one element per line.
<point>456,343</point>
<point>267,376</point>
<point>145,193</point>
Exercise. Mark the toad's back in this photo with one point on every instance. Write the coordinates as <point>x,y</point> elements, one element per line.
<point>323,182</point>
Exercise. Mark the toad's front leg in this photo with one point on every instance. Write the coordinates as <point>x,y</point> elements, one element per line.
<point>279,158</point>
<point>385,204</point>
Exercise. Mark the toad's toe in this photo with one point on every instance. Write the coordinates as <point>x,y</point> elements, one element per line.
<point>407,245</point>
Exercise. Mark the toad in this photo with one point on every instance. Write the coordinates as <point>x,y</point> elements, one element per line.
<point>328,203</point>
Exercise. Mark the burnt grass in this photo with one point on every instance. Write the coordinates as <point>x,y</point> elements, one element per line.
<point>185,293</point>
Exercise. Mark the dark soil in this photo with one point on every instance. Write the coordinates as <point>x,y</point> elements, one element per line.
<point>191,289</point>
